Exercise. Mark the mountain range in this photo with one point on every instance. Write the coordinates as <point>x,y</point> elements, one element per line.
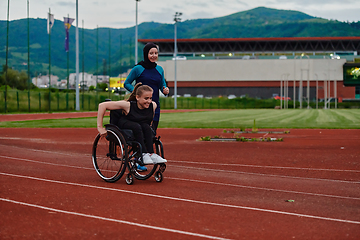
<point>110,50</point>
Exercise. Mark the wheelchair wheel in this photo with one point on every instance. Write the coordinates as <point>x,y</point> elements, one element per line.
<point>141,175</point>
<point>158,176</point>
<point>129,179</point>
<point>109,156</point>
<point>158,149</point>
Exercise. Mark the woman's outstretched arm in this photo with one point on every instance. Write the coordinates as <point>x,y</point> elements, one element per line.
<point>124,105</point>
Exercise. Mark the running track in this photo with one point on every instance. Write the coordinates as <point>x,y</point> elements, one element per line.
<point>211,190</point>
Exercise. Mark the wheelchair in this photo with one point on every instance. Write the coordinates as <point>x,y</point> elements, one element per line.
<point>117,150</point>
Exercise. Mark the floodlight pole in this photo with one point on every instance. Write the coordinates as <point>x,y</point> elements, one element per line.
<point>136,33</point>
<point>77,59</point>
<point>28,42</point>
<point>176,19</point>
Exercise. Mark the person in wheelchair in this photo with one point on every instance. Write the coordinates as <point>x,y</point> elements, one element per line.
<point>138,114</point>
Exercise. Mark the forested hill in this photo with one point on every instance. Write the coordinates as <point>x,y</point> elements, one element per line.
<point>258,22</point>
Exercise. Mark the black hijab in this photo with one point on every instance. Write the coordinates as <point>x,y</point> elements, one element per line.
<point>146,63</point>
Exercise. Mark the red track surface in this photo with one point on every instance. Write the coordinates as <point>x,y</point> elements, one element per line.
<point>232,190</point>
<point>39,116</point>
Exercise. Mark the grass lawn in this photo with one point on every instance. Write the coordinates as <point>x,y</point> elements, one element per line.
<point>243,118</point>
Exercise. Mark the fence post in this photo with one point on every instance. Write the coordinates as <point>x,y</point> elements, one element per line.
<point>49,100</point>
<point>67,101</point>
<point>17,99</point>
<point>39,102</point>
<point>29,100</point>
<point>58,101</point>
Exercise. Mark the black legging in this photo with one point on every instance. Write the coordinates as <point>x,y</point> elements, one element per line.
<point>142,133</point>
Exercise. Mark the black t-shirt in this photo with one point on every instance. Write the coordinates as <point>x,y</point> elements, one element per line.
<point>138,115</point>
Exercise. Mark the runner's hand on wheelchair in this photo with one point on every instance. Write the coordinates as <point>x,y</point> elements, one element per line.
<point>102,130</point>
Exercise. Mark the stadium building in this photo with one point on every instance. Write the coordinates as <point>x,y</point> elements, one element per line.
<point>263,67</point>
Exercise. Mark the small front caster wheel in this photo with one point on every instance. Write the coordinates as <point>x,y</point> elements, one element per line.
<point>129,179</point>
<point>162,167</point>
<point>158,176</point>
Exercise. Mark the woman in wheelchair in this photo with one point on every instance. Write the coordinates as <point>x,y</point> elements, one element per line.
<point>138,113</point>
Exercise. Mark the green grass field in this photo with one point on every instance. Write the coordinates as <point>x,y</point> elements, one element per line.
<point>244,118</point>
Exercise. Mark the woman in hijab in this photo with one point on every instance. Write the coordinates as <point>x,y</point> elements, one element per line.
<point>149,73</point>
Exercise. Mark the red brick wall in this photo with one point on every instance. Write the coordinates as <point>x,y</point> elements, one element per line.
<point>342,91</point>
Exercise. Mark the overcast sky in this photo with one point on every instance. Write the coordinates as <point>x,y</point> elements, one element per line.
<point>121,13</point>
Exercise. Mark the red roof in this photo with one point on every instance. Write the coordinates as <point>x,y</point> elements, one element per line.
<point>251,39</point>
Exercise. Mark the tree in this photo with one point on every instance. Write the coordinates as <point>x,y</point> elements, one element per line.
<point>15,79</point>
<point>102,86</point>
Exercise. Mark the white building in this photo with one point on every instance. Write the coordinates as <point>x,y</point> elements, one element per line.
<point>42,81</point>
<point>87,79</point>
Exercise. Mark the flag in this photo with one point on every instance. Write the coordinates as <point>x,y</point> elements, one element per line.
<point>50,22</point>
<point>67,25</point>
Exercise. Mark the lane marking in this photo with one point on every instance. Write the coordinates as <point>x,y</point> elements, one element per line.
<point>267,175</point>
<point>199,181</point>
<point>274,167</point>
<point>45,151</point>
<point>111,219</point>
<point>207,163</point>
<point>186,200</point>
<point>207,169</point>
<point>46,163</point>
<point>261,188</point>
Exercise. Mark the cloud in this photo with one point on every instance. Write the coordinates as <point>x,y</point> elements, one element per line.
<point>66,4</point>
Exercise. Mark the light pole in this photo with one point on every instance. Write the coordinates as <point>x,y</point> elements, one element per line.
<point>176,19</point>
<point>136,32</point>
<point>77,98</point>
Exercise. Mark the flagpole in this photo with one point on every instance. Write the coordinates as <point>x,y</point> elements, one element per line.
<point>49,61</point>
<point>68,58</point>
<point>29,79</point>
<point>83,63</point>
<point>77,58</point>
<point>97,61</point>
<point>109,65</point>
<point>120,53</point>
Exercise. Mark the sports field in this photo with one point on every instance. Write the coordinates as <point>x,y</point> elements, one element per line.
<point>305,187</point>
<point>244,118</point>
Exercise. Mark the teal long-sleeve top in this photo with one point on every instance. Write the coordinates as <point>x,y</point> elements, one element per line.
<point>152,77</point>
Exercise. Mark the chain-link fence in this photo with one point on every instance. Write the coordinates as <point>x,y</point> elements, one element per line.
<point>45,101</point>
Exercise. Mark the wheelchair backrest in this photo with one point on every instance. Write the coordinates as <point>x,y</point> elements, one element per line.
<point>115,116</point>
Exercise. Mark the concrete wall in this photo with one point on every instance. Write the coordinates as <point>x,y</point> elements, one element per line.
<point>254,69</point>
<point>254,77</point>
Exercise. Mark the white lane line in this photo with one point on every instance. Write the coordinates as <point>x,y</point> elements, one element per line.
<point>272,167</point>
<point>206,169</point>
<point>209,163</point>
<point>111,219</point>
<point>266,175</point>
<point>45,151</point>
<point>186,200</point>
<point>260,188</point>
<point>46,163</point>
<point>199,181</point>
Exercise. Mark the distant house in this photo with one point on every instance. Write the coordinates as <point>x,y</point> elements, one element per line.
<point>87,79</point>
<point>42,81</point>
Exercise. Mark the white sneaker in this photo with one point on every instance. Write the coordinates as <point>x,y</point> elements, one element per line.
<point>157,159</point>
<point>147,159</point>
